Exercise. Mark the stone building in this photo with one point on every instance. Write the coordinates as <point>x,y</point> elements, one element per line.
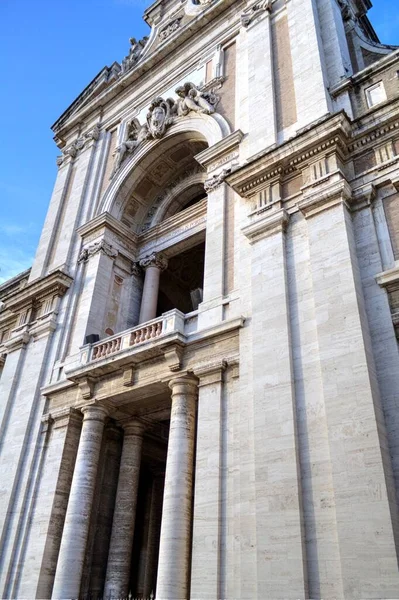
<point>200,372</point>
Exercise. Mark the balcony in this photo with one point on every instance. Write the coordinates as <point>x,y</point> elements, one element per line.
<point>147,339</point>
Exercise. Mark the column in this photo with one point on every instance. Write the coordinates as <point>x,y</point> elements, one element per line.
<point>174,551</point>
<point>109,483</point>
<point>153,265</point>
<point>120,551</point>
<point>77,520</point>
<point>153,532</point>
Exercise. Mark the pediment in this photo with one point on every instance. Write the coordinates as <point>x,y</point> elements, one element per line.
<point>105,78</point>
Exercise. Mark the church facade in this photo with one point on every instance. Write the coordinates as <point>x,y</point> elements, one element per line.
<point>199,375</point>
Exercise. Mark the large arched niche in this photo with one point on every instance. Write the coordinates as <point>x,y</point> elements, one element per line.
<point>162,177</point>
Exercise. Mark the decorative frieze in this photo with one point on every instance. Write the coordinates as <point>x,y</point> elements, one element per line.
<point>93,249</point>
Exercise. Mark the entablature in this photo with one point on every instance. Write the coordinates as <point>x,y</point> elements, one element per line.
<point>135,366</point>
<point>326,137</point>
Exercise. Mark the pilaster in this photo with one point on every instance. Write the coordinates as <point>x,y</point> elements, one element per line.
<point>207,526</point>
<point>353,407</point>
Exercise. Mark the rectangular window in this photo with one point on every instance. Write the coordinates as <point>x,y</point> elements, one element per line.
<point>375,94</point>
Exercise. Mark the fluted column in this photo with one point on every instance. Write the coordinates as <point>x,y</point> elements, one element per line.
<point>153,265</point>
<point>174,551</point>
<point>77,521</point>
<point>120,551</point>
<point>153,532</point>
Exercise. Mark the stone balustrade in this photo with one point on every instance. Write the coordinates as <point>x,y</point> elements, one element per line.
<point>170,322</point>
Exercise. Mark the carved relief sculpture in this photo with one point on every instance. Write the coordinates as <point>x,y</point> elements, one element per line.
<point>96,247</point>
<point>255,11</point>
<point>216,180</point>
<point>160,116</point>
<point>192,99</point>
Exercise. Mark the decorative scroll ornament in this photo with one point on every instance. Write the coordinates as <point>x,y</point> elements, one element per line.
<point>160,117</point>
<point>79,144</point>
<point>135,52</point>
<point>93,249</point>
<point>156,259</point>
<point>255,11</point>
<point>216,181</point>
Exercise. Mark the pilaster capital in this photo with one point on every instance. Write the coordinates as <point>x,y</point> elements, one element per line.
<point>210,373</point>
<point>137,271</point>
<point>267,225</point>
<point>186,385</point>
<point>101,246</point>
<point>18,341</point>
<point>95,411</point>
<point>322,199</point>
<point>63,418</point>
<point>255,10</point>
<point>214,182</point>
<point>156,259</point>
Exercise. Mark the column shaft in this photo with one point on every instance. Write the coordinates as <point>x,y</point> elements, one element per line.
<point>120,552</point>
<point>149,300</point>
<point>174,551</point>
<point>77,520</point>
<point>153,265</point>
<point>153,535</point>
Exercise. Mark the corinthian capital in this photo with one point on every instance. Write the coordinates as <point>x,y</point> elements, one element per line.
<point>156,259</point>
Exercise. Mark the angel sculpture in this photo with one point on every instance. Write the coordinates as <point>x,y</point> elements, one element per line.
<point>136,49</point>
<point>135,135</point>
<point>192,99</point>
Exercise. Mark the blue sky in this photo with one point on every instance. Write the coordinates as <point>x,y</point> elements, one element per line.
<point>50,50</point>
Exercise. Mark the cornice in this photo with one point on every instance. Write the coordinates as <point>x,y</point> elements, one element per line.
<point>174,223</point>
<point>193,26</point>
<point>107,221</point>
<point>19,340</point>
<point>54,284</point>
<point>362,136</point>
<point>389,279</point>
<point>330,134</point>
<point>266,225</point>
<point>325,197</point>
<point>218,152</point>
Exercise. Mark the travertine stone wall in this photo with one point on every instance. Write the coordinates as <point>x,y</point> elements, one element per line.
<point>278,510</point>
<point>354,420</point>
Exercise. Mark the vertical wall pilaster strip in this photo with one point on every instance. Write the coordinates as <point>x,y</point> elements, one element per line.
<point>65,434</point>
<point>261,98</point>
<point>206,553</point>
<point>279,519</point>
<point>357,437</point>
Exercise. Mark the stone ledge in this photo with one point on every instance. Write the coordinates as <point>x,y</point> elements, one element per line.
<point>267,225</point>
<point>56,283</point>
